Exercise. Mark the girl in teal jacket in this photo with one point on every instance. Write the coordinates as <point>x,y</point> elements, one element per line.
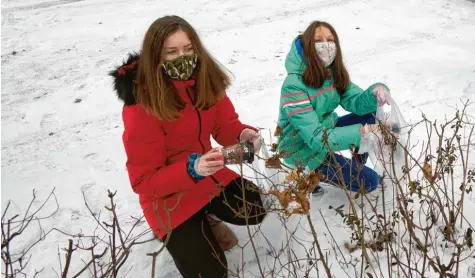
<point>316,83</point>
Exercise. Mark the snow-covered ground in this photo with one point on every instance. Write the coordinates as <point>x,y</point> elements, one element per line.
<point>61,125</point>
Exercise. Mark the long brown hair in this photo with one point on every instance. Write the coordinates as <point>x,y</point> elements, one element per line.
<point>155,91</point>
<point>315,74</point>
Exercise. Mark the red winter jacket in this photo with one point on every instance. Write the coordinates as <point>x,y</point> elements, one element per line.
<point>157,151</point>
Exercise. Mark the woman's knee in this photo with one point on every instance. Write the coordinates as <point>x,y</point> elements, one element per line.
<point>371,179</point>
<point>258,210</point>
<point>249,205</point>
<point>258,213</point>
<point>365,179</point>
<point>251,210</point>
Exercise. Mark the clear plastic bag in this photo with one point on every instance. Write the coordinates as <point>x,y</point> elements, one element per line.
<point>386,147</point>
<point>267,178</point>
<point>282,183</point>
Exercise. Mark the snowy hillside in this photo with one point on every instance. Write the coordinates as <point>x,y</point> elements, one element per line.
<point>61,121</point>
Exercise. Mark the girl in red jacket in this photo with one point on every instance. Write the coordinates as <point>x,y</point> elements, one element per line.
<point>174,101</point>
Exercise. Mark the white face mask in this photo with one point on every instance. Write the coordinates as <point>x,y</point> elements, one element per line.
<point>326,51</point>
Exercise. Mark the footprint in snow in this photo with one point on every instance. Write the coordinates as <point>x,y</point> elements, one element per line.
<point>87,186</point>
<point>469,89</point>
<point>91,156</point>
<point>49,122</point>
<point>100,63</point>
<point>106,165</point>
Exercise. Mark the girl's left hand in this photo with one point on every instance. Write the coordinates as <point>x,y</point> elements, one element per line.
<point>252,136</point>
<point>381,93</point>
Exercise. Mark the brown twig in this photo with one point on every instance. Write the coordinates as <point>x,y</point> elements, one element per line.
<point>69,255</point>
<point>317,244</point>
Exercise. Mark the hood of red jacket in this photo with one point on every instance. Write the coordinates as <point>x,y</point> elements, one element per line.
<point>124,78</point>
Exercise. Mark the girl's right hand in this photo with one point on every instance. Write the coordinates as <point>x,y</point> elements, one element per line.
<point>209,163</point>
<point>369,128</point>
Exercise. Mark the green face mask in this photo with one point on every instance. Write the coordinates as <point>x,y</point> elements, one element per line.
<point>181,68</point>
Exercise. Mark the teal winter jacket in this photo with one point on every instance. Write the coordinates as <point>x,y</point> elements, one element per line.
<point>307,117</point>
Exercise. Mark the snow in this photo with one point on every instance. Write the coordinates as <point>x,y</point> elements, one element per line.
<point>56,52</point>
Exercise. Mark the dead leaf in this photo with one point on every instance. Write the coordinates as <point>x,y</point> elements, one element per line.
<point>412,187</point>
<point>284,197</point>
<point>292,176</point>
<point>278,131</point>
<point>292,201</point>
<point>428,172</point>
<point>350,248</point>
<point>274,163</point>
<point>314,178</point>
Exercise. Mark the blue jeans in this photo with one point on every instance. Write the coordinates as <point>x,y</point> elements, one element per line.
<point>339,170</point>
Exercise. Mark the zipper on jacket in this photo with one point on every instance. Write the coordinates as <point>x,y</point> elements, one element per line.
<point>199,134</point>
<point>199,120</point>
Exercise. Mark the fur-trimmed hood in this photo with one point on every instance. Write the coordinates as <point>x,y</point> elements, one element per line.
<point>124,78</point>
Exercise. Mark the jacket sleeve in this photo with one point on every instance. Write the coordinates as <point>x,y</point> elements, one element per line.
<point>228,127</point>
<point>359,101</point>
<point>144,143</point>
<point>296,105</point>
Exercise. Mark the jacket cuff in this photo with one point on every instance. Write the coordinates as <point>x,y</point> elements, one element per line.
<point>344,137</point>
<point>191,167</point>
